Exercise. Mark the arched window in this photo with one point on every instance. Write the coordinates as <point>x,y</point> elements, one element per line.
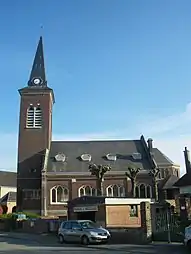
<point>86,190</point>
<point>149,191</point>
<point>34,117</point>
<point>137,192</point>
<point>115,191</point>
<point>143,191</point>
<point>59,194</point>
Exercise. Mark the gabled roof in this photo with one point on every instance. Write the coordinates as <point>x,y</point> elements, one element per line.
<point>123,149</point>
<point>169,183</point>
<point>9,197</point>
<point>185,180</point>
<point>8,179</point>
<point>161,158</point>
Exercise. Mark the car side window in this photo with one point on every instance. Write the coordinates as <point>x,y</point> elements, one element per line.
<point>67,225</point>
<point>76,225</point>
<point>63,224</point>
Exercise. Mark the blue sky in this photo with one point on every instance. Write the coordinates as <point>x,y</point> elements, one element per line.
<point>118,68</point>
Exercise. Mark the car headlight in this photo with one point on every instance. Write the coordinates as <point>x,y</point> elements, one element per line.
<point>93,233</point>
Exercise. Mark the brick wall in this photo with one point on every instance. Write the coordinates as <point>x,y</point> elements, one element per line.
<point>119,216</point>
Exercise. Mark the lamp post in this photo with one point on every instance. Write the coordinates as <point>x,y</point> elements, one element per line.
<point>132,174</point>
<point>154,173</point>
<point>99,171</point>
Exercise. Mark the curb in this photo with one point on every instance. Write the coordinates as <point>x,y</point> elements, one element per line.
<point>105,247</point>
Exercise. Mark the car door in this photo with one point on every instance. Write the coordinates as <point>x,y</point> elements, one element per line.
<point>76,232</point>
<point>67,230</point>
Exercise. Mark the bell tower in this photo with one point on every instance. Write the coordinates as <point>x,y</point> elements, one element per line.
<point>35,133</point>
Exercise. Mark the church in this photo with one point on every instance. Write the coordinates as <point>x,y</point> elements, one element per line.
<point>51,173</point>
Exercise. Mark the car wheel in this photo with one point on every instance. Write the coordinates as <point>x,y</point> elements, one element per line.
<point>189,244</point>
<point>61,239</point>
<point>85,240</point>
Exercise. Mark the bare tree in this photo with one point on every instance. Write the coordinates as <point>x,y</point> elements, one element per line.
<point>132,174</point>
<point>154,173</point>
<point>99,171</point>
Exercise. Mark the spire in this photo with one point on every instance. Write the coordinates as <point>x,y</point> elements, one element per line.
<point>37,76</point>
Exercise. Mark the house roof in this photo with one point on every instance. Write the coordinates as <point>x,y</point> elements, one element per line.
<point>8,178</point>
<point>169,183</point>
<point>123,149</point>
<point>185,180</point>
<point>9,197</point>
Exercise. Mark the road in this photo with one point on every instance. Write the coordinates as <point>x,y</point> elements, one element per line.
<point>20,246</point>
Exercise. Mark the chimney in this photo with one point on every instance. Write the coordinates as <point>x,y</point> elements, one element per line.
<point>150,144</point>
<point>187,160</point>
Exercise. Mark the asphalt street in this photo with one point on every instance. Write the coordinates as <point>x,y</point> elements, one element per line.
<point>20,246</point>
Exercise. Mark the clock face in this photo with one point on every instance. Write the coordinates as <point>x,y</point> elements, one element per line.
<point>36,81</point>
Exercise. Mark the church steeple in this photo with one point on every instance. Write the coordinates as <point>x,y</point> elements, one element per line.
<point>38,76</point>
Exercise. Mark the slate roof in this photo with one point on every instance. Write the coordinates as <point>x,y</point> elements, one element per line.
<point>8,179</point>
<point>161,158</point>
<point>169,183</point>
<point>98,149</point>
<point>9,197</point>
<point>185,180</point>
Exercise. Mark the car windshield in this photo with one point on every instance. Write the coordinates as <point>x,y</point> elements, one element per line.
<point>88,224</point>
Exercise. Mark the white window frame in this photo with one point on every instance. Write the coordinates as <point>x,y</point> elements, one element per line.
<point>119,192</point>
<point>34,126</point>
<point>85,186</point>
<point>58,203</point>
<point>145,186</point>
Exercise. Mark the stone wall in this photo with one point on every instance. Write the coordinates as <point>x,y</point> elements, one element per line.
<point>128,236</point>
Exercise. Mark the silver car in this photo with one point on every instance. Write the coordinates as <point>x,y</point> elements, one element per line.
<point>82,231</point>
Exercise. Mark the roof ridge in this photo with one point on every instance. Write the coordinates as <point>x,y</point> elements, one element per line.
<point>99,140</point>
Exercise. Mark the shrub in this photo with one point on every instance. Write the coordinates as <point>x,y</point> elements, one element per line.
<point>6,216</point>
<point>30,215</point>
<point>15,215</point>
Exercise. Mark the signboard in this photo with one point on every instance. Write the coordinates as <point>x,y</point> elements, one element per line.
<point>81,209</point>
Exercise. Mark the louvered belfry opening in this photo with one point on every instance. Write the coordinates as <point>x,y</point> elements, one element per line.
<point>34,117</point>
<point>38,117</point>
<point>30,117</point>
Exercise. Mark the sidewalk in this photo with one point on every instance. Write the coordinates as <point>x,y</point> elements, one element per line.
<point>46,239</point>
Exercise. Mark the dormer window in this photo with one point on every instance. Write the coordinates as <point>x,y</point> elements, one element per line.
<point>86,157</point>
<point>60,157</point>
<point>137,156</point>
<point>111,157</point>
<point>34,117</point>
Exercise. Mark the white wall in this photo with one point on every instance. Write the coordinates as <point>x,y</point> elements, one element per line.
<point>126,201</point>
<point>5,189</point>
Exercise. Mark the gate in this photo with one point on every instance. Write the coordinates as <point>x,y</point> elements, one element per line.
<point>166,227</point>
